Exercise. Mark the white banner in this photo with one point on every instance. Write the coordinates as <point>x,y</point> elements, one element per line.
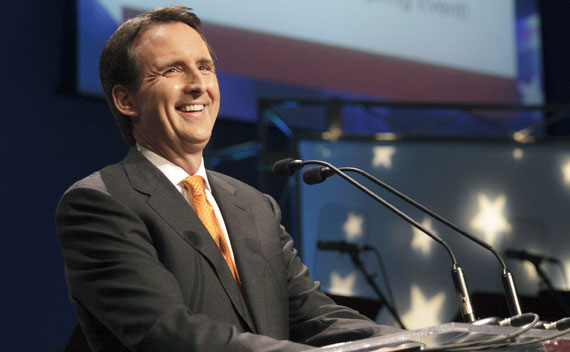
<point>471,35</point>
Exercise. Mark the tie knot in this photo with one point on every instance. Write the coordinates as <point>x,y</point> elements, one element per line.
<point>194,184</point>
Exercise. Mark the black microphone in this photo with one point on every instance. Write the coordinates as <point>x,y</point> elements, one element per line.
<point>343,247</point>
<point>533,258</point>
<point>507,278</point>
<point>316,174</point>
<point>287,167</point>
<point>319,174</point>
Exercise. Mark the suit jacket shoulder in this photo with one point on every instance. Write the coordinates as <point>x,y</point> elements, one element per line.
<point>144,274</point>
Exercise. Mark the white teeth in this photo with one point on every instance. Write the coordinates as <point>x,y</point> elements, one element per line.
<point>188,108</point>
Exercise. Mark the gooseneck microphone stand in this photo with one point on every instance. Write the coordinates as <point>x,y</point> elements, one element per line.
<point>507,278</point>
<point>466,309</point>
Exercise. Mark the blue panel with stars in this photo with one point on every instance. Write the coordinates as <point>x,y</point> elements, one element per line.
<point>509,195</point>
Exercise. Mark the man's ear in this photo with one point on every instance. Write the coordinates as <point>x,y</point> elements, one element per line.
<point>124,100</point>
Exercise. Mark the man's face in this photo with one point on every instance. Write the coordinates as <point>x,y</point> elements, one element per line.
<point>178,100</point>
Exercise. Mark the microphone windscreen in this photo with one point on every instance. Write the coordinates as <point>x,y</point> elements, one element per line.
<point>313,175</point>
<point>284,167</point>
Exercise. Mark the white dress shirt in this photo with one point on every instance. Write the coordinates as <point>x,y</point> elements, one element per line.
<point>176,174</point>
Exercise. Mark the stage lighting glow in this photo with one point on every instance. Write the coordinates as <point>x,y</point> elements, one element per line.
<point>490,219</point>
<point>342,286</point>
<point>566,264</point>
<point>423,312</point>
<point>530,270</point>
<point>421,241</point>
<point>566,172</point>
<point>518,153</point>
<point>353,226</point>
<point>386,136</point>
<point>383,156</point>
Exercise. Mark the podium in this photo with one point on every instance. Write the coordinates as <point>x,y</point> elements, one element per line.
<point>451,333</point>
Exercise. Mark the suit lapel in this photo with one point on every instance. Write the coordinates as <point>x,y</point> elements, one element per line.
<point>170,205</point>
<point>245,244</point>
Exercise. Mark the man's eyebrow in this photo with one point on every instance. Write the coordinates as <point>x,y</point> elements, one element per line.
<point>176,63</point>
<point>206,61</point>
<point>171,64</point>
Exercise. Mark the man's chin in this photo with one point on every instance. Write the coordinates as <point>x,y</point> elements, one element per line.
<point>192,145</point>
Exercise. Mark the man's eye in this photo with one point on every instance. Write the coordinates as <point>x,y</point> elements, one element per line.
<point>171,70</point>
<point>205,68</point>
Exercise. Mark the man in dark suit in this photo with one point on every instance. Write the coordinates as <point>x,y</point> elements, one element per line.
<point>144,269</point>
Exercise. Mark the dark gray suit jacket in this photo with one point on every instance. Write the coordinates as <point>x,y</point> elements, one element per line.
<point>144,274</point>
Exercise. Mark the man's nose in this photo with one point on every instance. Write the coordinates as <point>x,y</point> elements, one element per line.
<point>194,82</point>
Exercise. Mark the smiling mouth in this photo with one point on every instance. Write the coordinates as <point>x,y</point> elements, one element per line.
<point>191,107</point>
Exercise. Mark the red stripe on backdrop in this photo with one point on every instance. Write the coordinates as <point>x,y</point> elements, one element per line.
<point>286,60</point>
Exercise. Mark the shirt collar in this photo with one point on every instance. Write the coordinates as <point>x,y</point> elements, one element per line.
<point>173,172</point>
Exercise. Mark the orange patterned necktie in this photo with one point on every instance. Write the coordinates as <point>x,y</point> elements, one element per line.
<point>205,211</point>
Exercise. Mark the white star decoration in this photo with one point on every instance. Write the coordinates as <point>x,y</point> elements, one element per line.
<point>566,172</point>
<point>423,312</point>
<point>490,220</point>
<point>567,271</point>
<point>342,286</point>
<point>383,156</point>
<point>353,226</point>
<point>530,270</point>
<point>421,241</point>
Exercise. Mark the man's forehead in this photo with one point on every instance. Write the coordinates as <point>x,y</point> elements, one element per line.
<point>171,37</point>
<point>168,31</point>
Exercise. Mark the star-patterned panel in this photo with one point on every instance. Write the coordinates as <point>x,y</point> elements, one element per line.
<point>508,195</point>
<point>422,242</point>
<point>490,220</point>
